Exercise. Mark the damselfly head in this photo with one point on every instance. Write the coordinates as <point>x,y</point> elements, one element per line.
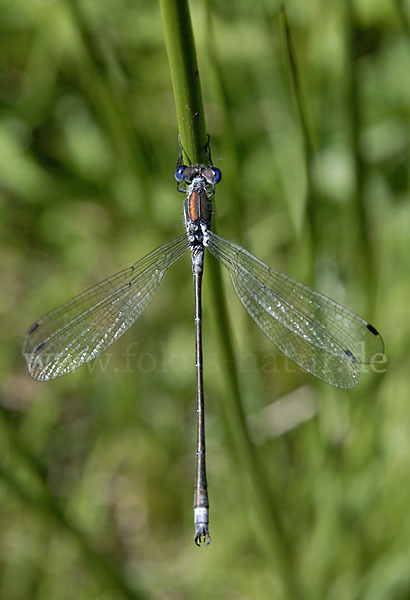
<point>186,174</point>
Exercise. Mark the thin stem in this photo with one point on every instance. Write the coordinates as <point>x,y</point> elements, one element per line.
<point>360,167</point>
<point>308,148</point>
<point>185,79</point>
<point>193,140</point>
<point>191,124</point>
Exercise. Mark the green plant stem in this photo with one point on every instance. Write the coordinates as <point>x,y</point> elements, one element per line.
<point>191,124</point>
<point>185,79</point>
<point>308,148</point>
<point>365,249</point>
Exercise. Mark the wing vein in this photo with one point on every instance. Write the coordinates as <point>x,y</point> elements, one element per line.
<point>323,337</point>
<point>82,328</point>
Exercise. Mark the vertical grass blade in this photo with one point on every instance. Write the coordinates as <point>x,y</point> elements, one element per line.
<point>308,149</point>
<point>191,124</point>
<point>185,78</point>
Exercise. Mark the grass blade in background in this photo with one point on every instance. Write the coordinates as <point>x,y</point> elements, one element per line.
<point>366,266</point>
<point>311,202</point>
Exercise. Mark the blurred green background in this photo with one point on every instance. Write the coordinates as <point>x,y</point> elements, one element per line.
<point>96,469</point>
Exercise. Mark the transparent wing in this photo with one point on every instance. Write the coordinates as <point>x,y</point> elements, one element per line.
<point>78,331</point>
<point>321,336</point>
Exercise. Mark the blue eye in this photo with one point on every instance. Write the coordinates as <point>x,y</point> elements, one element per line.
<point>179,173</point>
<point>217,175</point>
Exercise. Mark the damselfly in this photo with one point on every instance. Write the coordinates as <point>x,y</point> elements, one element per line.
<point>321,336</point>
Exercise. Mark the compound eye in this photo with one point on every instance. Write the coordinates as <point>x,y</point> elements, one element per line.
<point>217,175</point>
<point>179,173</point>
